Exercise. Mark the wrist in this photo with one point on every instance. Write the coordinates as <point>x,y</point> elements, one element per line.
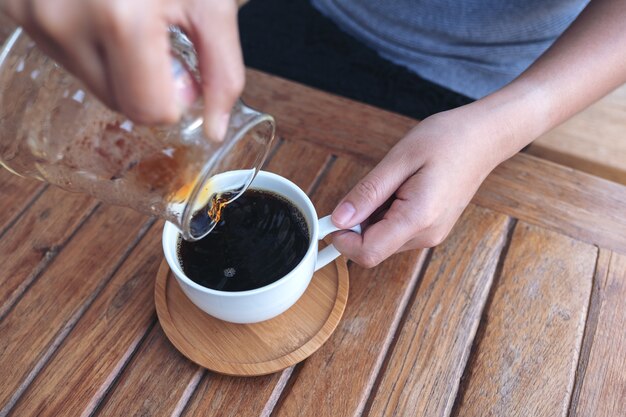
<point>509,119</point>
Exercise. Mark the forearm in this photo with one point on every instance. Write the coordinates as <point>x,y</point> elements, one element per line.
<point>584,64</point>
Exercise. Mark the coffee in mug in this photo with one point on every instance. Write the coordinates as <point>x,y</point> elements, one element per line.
<point>258,238</point>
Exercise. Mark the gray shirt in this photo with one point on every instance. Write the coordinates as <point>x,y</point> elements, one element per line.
<point>473,47</point>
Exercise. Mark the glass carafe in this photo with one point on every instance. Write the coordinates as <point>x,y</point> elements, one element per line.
<point>53,129</point>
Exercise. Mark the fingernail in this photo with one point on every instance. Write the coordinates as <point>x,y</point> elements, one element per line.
<point>219,126</point>
<point>343,214</point>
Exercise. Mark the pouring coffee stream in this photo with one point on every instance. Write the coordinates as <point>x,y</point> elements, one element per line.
<point>213,210</point>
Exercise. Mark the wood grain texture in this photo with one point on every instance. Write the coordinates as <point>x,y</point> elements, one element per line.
<point>525,359</point>
<point>342,125</point>
<point>603,390</point>
<point>526,349</point>
<point>289,163</point>
<point>38,322</point>
<point>258,348</point>
<point>424,369</point>
<point>595,303</point>
<point>102,340</point>
<point>227,396</point>
<point>15,195</point>
<point>36,238</point>
<point>151,386</point>
<point>593,141</point>
<point>561,199</point>
<point>549,195</point>
<point>337,379</point>
<point>158,381</point>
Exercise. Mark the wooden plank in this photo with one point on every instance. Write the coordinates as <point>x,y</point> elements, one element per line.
<point>227,396</point>
<point>595,301</point>
<point>424,369</point>
<point>345,126</point>
<point>103,341</point>
<point>36,239</point>
<point>300,162</point>
<point>593,141</point>
<point>35,326</point>
<point>337,379</point>
<point>150,374</point>
<point>16,194</point>
<point>524,362</point>
<point>561,199</point>
<point>171,393</point>
<point>604,386</point>
<point>533,190</point>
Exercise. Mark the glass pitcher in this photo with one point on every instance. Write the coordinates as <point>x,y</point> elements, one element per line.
<point>53,129</point>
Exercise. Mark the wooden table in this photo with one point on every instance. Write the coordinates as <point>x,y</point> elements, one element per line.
<point>520,312</point>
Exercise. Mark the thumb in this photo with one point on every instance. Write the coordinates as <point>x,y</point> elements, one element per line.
<point>373,190</point>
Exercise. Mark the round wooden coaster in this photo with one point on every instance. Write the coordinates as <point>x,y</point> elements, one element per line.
<point>258,348</point>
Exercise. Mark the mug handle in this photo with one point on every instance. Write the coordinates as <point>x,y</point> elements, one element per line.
<point>329,253</point>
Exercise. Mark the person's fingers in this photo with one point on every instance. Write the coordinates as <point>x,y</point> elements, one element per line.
<point>380,240</point>
<point>53,25</point>
<point>137,54</point>
<point>86,62</point>
<point>411,220</point>
<point>376,187</point>
<point>383,238</point>
<point>216,38</point>
<point>16,10</point>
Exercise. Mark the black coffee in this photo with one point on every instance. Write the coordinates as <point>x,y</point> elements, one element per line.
<point>259,238</point>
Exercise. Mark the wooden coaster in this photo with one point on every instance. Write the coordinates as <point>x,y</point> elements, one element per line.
<point>259,348</point>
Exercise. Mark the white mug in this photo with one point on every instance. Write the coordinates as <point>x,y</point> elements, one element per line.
<point>266,302</point>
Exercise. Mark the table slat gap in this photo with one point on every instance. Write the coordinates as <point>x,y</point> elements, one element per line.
<point>603,389</point>
<point>321,175</point>
<point>284,392</point>
<point>600,276</point>
<point>428,254</point>
<point>480,332</point>
<point>95,404</point>
<point>286,377</point>
<point>278,142</point>
<point>191,388</point>
<point>10,222</point>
